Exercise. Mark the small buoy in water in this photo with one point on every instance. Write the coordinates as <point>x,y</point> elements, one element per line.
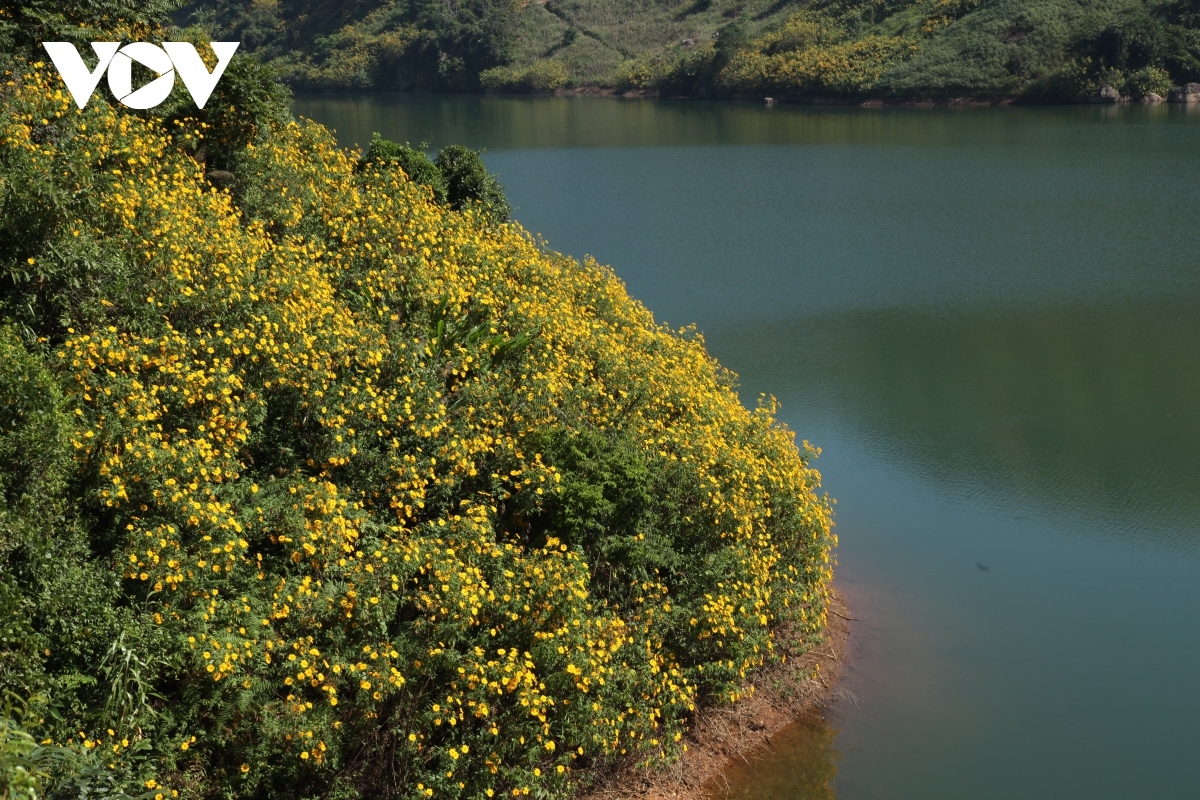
<point>770,100</point>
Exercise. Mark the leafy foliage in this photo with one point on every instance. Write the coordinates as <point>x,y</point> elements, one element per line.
<point>469,184</point>
<point>813,55</point>
<point>414,162</point>
<point>458,178</point>
<point>547,75</point>
<point>24,765</point>
<point>24,26</point>
<point>322,44</point>
<point>316,487</point>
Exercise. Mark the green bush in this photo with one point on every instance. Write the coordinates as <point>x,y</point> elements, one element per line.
<point>542,77</point>
<point>458,178</point>
<point>23,764</point>
<point>34,455</point>
<point>500,79</point>
<point>469,184</point>
<point>1148,80</point>
<point>59,606</point>
<point>546,75</point>
<point>415,163</point>
<point>34,466</point>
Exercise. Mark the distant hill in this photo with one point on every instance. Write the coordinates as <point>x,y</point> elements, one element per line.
<point>1052,49</point>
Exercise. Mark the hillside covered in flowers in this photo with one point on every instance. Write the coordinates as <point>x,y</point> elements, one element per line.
<point>313,486</point>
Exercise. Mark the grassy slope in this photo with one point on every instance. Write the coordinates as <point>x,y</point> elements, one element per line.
<point>994,49</point>
<point>611,32</point>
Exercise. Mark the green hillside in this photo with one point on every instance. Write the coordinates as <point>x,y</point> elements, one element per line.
<point>1052,49</point>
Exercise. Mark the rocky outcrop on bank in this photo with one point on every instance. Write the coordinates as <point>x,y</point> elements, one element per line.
<point>1188,93</point>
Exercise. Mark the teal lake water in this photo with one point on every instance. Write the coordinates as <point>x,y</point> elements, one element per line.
<point>989,320</point>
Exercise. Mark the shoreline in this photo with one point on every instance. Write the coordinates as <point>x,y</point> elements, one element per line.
<point>960,101</point>
<point>913,101</point>
<point>963,101</point>
<point>722,734</point>
<point>847,102</point>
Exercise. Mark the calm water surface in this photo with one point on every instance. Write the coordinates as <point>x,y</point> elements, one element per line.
<point>990,322</point>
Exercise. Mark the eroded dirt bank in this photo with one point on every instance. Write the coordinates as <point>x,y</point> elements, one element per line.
<point>721,734</point>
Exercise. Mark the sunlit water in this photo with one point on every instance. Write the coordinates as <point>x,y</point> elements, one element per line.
<point>990,322</point>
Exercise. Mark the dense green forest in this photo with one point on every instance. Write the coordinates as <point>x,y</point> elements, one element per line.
<point>321,478</point>
<point>1050,49</point>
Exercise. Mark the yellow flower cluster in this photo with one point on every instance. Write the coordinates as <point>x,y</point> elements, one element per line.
<point>325,453</point>
<point>811,55</point>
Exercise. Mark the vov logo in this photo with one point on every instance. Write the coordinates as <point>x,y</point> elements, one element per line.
<point>165,61</point>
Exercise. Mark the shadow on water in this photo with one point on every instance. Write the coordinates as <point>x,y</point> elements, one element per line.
<point>501,122</point>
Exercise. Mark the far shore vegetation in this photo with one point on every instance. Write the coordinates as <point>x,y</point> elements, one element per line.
<point>322,478</point>
<point>1033,50</point>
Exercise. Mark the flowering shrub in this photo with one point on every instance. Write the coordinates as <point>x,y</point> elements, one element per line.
<point>360,494</point>
<point>413,161</point>
<point>832,68</point>
<point>812,54</point>
<point>543,76</point>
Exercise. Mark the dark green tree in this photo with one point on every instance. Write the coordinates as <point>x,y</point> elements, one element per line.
<point>468,183</point>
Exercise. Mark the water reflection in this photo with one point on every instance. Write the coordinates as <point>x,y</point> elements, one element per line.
<point>798,763</point>
<point>1085,414</point>
<point>506,122</point>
